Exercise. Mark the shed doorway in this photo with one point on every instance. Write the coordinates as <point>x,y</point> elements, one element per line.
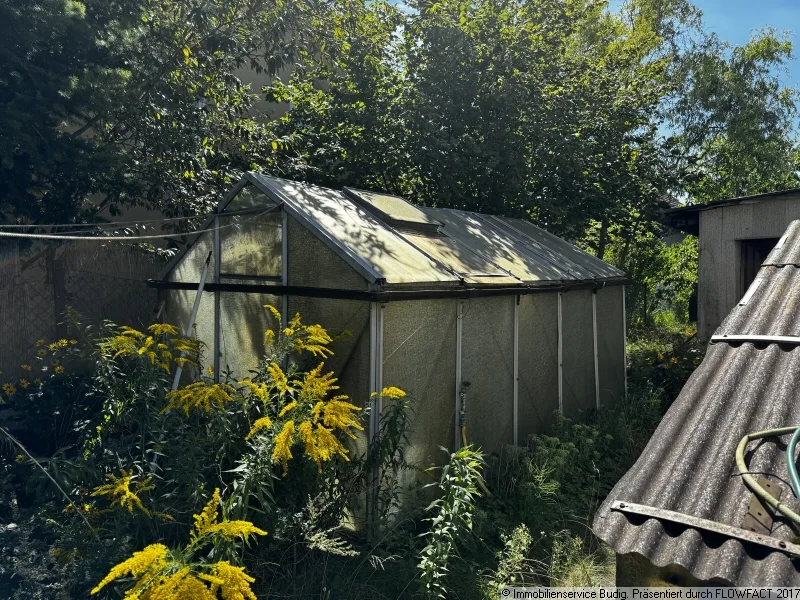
<point>751,254</point>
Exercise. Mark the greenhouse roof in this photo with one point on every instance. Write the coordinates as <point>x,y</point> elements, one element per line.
<point>394,244</point>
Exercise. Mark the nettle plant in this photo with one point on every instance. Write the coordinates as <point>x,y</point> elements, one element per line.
<point>149,455</point>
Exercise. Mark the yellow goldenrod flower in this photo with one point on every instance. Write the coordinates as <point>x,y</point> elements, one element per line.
<point>306,431</point>
<point>279,379</point>
<point>24,383</point>
<point>235,529</point>
<point>262,423</point>
<point>131,332</point>
<point>9,389</point>
<point>338,414</point>
<point>235,582</point>
<point>119,491</point>
<point>259,390</point>
<point>282,453</point>
<point>287,408</point>
<point>269,337</point>
<point>393,393</point>
<point>295,322</point>
<point>660,356</point>
<point>328,445</point>
<point>288,332</point>
<point>316,386</point>
<point>159,329</point>
<point>316,341</point>
<point>152,560</point>
<point>26,367</point>
<point>210,370</point>
<point>199,395</point>
<point>673,360</point>
<point>207,517</point>
<point>275,312</point>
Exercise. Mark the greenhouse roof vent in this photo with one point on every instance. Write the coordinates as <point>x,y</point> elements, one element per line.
<point>394,211</point>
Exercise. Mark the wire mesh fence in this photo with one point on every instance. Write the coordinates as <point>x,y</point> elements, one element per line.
<point>98,281</point>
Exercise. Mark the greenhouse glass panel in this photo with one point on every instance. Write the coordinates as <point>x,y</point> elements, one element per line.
<point>487,363</point>
<point>251,244</point>
<point>419,357</point>
<point>249,198</point>
<point>538,363</point>
<point>243,321</point>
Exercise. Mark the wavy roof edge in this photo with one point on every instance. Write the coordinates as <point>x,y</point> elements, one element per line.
<point>748,381</point>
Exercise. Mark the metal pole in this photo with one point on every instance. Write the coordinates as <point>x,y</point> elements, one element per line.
<point>195,308</point>
<point>217,299</point>
<point>459,332</point>
<point>560,357</point>
<point>624,344</point>
<point>596,356</point>
<point>516,371</point>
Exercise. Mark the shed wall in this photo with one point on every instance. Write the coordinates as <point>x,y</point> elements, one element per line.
<point>487,363</point>
<point>611,344</point>
<point>578,383</point>
<point>538,363</point>
<point>719,261</point>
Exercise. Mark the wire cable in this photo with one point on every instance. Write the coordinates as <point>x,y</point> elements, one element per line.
<point>92,238</point>
<point>110,224</point>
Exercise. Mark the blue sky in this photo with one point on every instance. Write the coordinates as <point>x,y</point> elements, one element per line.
<point>733,20</point>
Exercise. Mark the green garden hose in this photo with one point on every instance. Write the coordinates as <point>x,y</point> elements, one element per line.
<point>751,482</point>
<point>794,480</point>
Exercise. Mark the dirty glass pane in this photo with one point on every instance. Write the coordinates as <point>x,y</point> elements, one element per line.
<point>419,357</point>
<point>251,244</point>
<point>248,198</point>
<point>179,305</point>
<point>190,267</point>
<point>487,363</point>
<point>538,363</point>
<point>578,353</point>
<point>243,321</point>
<point>314,264</point>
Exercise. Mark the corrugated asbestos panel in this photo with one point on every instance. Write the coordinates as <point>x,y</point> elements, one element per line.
<point>689,464</point>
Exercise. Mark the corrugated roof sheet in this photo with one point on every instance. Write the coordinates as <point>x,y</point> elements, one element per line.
<point>688,466</point>
<point>452,248</point>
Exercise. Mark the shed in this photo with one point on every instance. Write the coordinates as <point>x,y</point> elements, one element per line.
<point>735,237</point>
<point>682,514</point>
<point>432,298</point>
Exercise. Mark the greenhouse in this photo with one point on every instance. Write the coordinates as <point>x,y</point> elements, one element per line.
<point>487,322</point>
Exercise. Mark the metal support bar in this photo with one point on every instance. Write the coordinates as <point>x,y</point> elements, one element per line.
<point>692,522</point>
<point>459,333</point>
<point>217,298</point>
<point>789,340</point>
<point>596,355</point>
<point>624,344</point>
<point>192,318</point>
<point>378,295</point>
<point>376,366</point>
<point>516,371</point>
<point>560,357</point>
<point>284,266</point>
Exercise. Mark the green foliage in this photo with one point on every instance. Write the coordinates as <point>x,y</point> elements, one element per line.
<point>663,358</point>
<point>451,516</point>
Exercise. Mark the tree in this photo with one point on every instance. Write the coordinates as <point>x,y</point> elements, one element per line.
<point>133,100</point>
<point>734,121</point>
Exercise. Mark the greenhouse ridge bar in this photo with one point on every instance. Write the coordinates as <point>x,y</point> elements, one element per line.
<point>442,303</point>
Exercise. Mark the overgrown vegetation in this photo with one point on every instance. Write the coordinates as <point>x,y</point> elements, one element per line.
<point>260,485</point>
